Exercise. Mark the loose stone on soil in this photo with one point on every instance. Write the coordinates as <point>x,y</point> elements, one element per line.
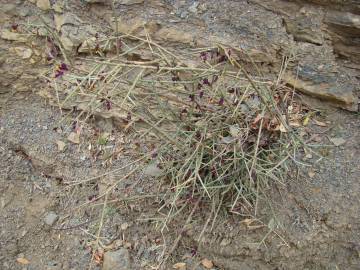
<point>131,2</point>
<point>96,1</point>
<point>153,170</point>
<point>61,145</point>
<point>74,138</point>
<point>23,52</point>
<point>207,263</point>
<point>193,7</point>
<point>338,141</point>
<point>179,266</point>
<point>51,218</point>
<point>12,36</point>
<point>119,260</point>
<point>43,4</point>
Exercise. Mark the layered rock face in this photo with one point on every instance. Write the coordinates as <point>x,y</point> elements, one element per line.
<point>342,5</point>
<point>344,28</point>
<point>322,37</point>
<point>342,22</point>
<point>327,35</point>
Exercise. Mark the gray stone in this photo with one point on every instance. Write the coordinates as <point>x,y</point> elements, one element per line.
<point>73,36</point>
<point>13,36</point>
<point>344,29</point>
<point>339,94</point>
<point>51,218</point>
<point>9,9</point>
<point>24,12</point>
<point>343,5</point>
<point>153,170</point>
<point>43,4</point>
<point>194,7</point>
<point>67,18</point>
<point>130,2</point>
<point>304,29</point>
<point>184,14</point>
<point>96,1</point>
<point>119,260</point>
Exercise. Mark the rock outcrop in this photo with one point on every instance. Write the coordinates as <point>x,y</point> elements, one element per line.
<point>344,29</point>
<point>316,34</point>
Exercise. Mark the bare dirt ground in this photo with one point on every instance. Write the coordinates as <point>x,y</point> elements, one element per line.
<point>50,217</point>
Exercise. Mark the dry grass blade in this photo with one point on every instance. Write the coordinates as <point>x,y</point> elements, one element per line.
<point>217,131</point>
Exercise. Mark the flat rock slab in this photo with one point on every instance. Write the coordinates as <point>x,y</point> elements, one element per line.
<point>119,260</point>
<point>341,95</point>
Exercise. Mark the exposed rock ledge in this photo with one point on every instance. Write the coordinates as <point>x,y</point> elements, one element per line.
<point>315,31</point>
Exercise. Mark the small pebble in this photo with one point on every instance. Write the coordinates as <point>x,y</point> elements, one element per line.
<point>51,218</point>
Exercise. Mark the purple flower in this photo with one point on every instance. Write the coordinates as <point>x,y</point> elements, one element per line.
<point>63,67</point>
<point>222,58</point>
<point>119,44</point>
<point>108,104</point>
<point>206,81</point>
<point>201,94</point>
<point>203,56</point>
<point>14,27</point>
<point>221,101</point>
<point>59,73</point>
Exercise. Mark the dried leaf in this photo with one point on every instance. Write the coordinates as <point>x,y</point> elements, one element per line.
<point>74,138</point>
<point>180,266</point>
<point>319,123</point>
<point>22,261</point>
<point>295,124</point>
<point>99,256</point>
<point>207,263</point>
<point>311,173</point>
<point>282,128</point>
<point>337,141</point>
<point>308,154</point>
<point>257,119</point>
<point>247,221</point>
<point>255,227</point>
<point>61,145</point>
<point>23,52</point>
